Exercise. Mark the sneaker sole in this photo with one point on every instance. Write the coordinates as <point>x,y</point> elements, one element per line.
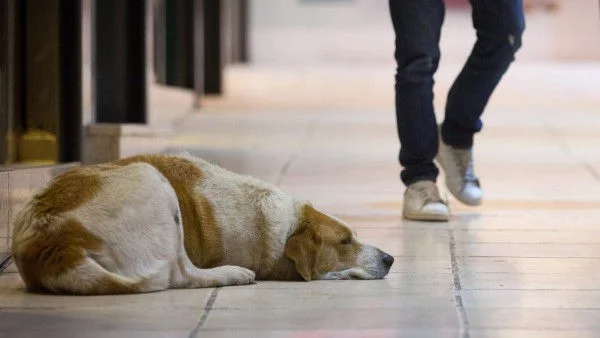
<point>462,200</point>
<point>426,218</point>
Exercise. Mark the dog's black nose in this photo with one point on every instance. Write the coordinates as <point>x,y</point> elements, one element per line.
<point>388,260</point>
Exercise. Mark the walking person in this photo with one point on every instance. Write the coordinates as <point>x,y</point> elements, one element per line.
<point>417,23</point>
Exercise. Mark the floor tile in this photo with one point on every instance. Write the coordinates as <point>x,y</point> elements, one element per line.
<point>530,265</point>
<point>95,333</point>
<point>531,299</point>
<point>534,319</point>
<point>344,297</point>
<point>413,281</point>
<point>99,319</point>
<point>531,334</point>
<point>528,250</point>
<point>525,215</point>
<point>532,236</point>
<point>173,310</point>
<point>530,281</point>
<point>310,319</point>
<point>421,264</point>
<point>341,333</point>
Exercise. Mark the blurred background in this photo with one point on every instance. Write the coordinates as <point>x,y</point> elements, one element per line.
<point>81,76</point>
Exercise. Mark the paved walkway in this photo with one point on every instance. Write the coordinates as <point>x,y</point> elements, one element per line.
<point>525,264</point>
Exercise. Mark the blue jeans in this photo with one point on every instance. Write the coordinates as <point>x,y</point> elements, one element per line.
<point>499,25</point>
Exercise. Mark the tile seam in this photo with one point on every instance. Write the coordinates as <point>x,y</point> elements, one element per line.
<point>457,292</point>
<point>207,309</point>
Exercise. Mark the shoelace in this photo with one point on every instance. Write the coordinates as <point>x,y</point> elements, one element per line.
<point>429,194</point>
<point>464,161</point>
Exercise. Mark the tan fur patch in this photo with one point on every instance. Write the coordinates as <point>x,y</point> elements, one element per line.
<point>202,238</point>
<point>52,251</point>
<point>318,245</point>
<point>67,191</point>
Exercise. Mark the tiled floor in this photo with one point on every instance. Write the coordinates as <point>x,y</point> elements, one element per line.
<point>525,264</point>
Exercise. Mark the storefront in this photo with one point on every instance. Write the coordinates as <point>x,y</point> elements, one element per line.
<point>65,64</point>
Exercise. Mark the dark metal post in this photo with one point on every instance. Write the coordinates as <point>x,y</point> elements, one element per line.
<point>213,58</point>
<point>198,44</point>
<point>70,125</point>
<point>120,61</point>
<point>243,27</point>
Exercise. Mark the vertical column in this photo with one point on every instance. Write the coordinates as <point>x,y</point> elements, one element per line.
<point>179,43</point>
<point>7,60</point>
<point>158,17</point>
<point>120,61</point>
<point>198,44</point>
<point>242,32</point>
<point>213,56</point>
<point>70,82</point>
<point>235,28</point>
<point>41,69</point>
<point>195,39</point>
<point>88,27</point>
<point>46,109</point>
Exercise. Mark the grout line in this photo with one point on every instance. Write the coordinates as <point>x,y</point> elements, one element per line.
<point>591,170</point>
<point>310,129</point>
<point>458,302</point>
<point>207,309</point>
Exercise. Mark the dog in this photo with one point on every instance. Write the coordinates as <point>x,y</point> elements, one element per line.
<point>153,222</point>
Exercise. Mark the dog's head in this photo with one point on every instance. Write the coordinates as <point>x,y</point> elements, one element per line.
<point>323,247</point>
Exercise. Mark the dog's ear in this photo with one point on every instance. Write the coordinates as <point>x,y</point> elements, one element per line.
<point>302,247</point>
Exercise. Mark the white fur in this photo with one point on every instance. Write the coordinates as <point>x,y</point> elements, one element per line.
<point>238,201</point>
<point>147,244</point>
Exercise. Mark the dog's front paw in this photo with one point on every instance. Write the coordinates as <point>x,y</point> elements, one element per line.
<point>232,275</point>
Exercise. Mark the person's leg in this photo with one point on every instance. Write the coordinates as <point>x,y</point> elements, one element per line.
<point>417,24</point>
<point>499,25</point>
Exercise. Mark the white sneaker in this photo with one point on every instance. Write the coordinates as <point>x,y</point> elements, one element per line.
<point>460,175</point>
<point>422,202</point>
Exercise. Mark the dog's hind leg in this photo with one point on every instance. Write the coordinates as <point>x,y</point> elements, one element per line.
<point>189,276</point>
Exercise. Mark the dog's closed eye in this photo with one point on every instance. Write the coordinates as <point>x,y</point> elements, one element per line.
<point>346,241</point>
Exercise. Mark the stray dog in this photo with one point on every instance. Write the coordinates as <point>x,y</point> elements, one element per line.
<point>152,222</point>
